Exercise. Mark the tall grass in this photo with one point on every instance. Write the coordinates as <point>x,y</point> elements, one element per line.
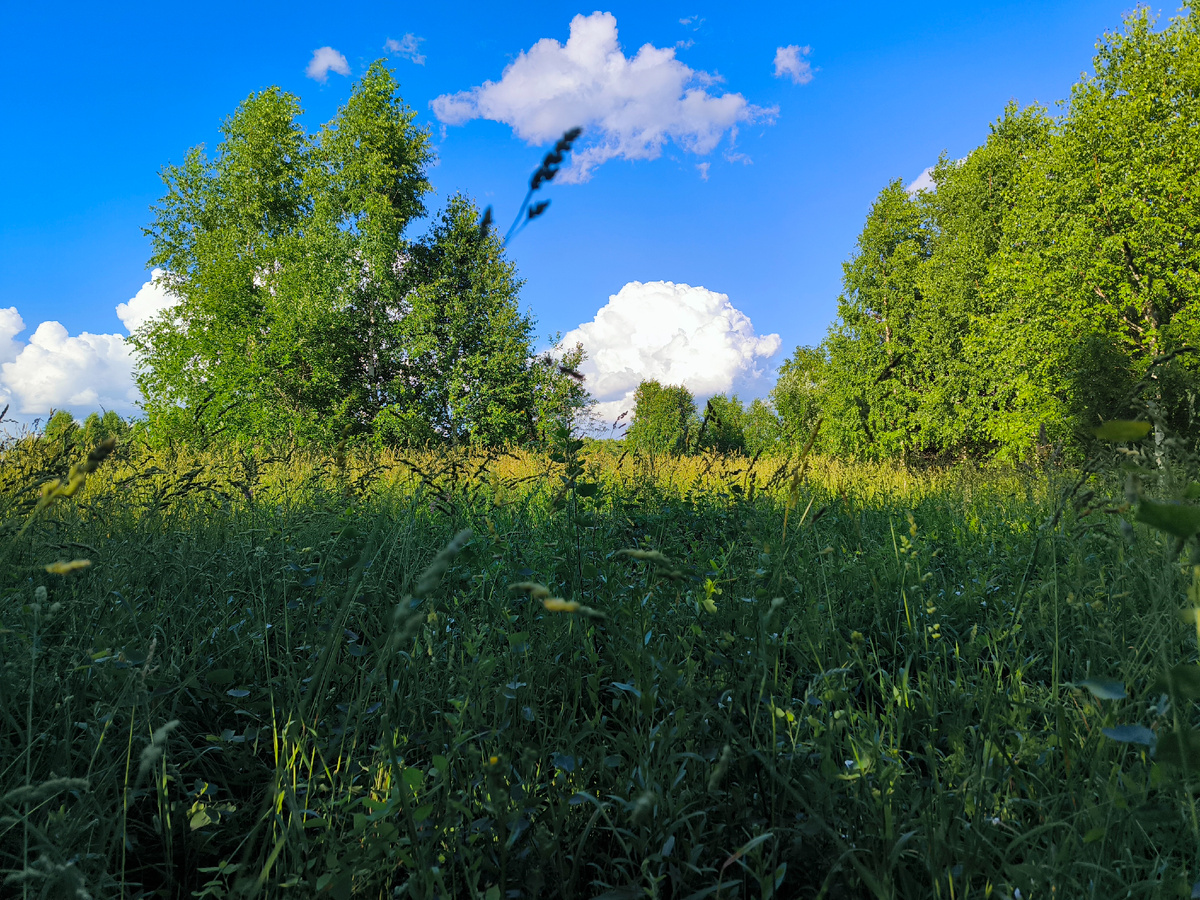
<point>309,675</point>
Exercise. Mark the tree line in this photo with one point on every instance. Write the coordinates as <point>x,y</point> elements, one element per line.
<point>1047,282</point>
<point>1041,283</point>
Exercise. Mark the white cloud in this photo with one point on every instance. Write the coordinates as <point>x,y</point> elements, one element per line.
<point>11,324</point>
<point>325,60</point>
<point>788,62</point>
<point>57,371</point>
<point>151,299</point>
<point>408,47</point>
<point>923,182</point>
<point>673,333</point>
<point>630,107</point>
<point>703,168</point>
<point>81,373</point>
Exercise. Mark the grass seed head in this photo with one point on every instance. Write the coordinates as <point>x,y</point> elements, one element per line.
<point>558,604</point>
<point>532,588</point>
<point>154,750</point>
<point>66,568</point>
<point>432,576</point>
<point>655,556</point>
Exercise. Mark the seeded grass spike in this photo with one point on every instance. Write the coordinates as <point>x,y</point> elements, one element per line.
<point>544,173</point>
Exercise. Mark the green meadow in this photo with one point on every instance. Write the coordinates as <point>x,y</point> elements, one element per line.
<point>589,673</point>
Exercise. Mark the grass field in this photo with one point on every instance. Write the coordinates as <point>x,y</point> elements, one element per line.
<point>316,676</point>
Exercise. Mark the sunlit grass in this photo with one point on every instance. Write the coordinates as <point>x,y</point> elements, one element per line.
<point>300,674</point>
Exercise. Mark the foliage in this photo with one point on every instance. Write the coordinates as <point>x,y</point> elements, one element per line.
<point>797,395</point>
<point>664,419</point>
<point>723,425</point>
<point>463,371</point>
<point>1015,304</point>
<point>870,393</point>
<point>763,431</point>
<point>305,314</point>
<point>293,679</point>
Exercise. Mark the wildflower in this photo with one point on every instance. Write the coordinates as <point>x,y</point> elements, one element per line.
<point>66,568</point>
<point>856,637</point>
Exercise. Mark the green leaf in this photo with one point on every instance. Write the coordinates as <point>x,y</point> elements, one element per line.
<point>1192,491</point>
<point>1104,689</point>
<point>218,677</point>
<point>199,819</point>
<point>586,489</point>
<point>1122,430</point>
<point>421,813</point>
<point>413,778</point>
<point>1180,749</point>
<point>1094,835</point>
<point>1178,519</point>
<point>1182,681</point>
<point>1130,734</point>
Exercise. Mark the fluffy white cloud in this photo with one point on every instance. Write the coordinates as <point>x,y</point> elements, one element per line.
<point>151,299</point>
<point>674,333</point>
<point>57,371</point>
<point>81,373</point>
<point>408,47</point>
<point>11,324</point>
<point>788,62</point>
<point>923,182</point>
<point>630,107</point>
<point>325,60</point>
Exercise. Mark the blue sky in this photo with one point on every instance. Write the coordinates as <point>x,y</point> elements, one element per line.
<point>98,98</point>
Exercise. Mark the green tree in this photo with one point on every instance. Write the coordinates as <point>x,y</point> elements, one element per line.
<point>664,418</point>
<point>464,366</point>
<point>723,425</point>
<point>797,395</point>
<point>870,390</point>
<point>97,428</point>
<point>61,426</point>
<point>1097,271</point>
<point>304,311</point>
<point>763,429</point>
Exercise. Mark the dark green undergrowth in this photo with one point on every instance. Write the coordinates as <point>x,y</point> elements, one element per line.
<point>823,687</point>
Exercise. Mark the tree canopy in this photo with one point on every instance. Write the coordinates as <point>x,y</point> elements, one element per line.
<point>1029,293</point>
<point>305,313</point>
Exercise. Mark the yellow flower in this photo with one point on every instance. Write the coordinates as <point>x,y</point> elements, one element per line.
<point>558,604</point>
<point>66,568</point>
<point>856,637</point>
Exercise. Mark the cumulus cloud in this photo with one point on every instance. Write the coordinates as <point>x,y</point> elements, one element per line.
<point>81,373</point>
<point>630,107</point>
<point>673,333</point>
<point>57,371</point>
<point>151,299</point>
<point>923,182</point>
<point>325,60</point>
<point>788,62</point>
<point>407,47</point>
